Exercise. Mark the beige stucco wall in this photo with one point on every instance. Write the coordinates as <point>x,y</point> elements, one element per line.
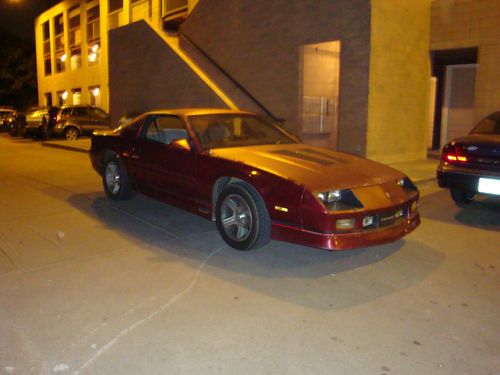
<point>82,78</point>
<point>399,80</point>
<point>472,23</point>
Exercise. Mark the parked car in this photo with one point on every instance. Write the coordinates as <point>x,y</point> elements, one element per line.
<point>470,165</point>
<point>7,118</point>
<point>255,180</point>
<point>36,119</point>
<point>73,121</point>
<point>19,124</point>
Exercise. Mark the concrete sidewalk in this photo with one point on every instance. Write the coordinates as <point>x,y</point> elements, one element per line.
<point>418,170</point>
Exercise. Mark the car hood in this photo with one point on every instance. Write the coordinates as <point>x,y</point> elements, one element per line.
<point>314,167</point>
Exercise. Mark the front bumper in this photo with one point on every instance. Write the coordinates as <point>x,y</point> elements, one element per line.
<point>363,237</point>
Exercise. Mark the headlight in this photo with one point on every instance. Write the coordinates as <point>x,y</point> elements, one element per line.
<point>330,196</point>
<point>406,183</point>
<point>339,200</point>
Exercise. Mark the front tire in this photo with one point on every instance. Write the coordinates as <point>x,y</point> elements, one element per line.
<point>460,196</point>
<point>115,179</point>
<point>242,218</point>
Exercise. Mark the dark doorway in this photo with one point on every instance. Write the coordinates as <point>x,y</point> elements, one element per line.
<point>441,59</point>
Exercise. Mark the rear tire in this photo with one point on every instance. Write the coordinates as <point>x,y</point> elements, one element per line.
<point>115,179</point>
<point>242,218</point>
<point>71,133</point>
<point>460,196</point>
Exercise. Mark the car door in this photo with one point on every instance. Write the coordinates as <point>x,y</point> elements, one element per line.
<point>157,165</point>
<point>83,117</point>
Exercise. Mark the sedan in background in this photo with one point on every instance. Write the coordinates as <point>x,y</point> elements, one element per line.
<point>36,119</point>
<point>470,165</point>
<point>256,181</point>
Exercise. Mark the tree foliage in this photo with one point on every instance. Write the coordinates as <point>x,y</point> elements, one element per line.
<point>18,84</point>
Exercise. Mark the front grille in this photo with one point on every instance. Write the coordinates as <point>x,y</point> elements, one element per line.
<point>388,218</point>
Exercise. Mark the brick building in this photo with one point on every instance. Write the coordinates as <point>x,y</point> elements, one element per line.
<point>352,75</point>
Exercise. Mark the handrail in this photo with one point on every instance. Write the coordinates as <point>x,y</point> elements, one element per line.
<point>234,81</point>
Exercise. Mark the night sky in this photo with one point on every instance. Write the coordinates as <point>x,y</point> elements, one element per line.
<point>18,16</point>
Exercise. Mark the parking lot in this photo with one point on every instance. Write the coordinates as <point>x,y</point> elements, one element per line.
<point>90,286</point>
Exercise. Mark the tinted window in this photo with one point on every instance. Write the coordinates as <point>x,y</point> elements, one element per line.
<point>99,112</point>
<point>489,125</point>
<point>215,131</point>
<point>66,111</point>
<point>164,128</point>
<point>81,111</point>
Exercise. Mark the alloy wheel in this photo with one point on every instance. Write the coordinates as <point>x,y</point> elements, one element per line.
<point>236,217</point>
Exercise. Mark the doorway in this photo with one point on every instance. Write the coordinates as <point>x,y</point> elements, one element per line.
<point>458,105</point>
<point>319,92</point>
<point>454,73</point>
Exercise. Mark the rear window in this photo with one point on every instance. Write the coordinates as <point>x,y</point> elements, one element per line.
<point>66,111</point>
<point>488,125</point>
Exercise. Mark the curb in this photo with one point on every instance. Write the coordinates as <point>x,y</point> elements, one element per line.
<point>65,147</point>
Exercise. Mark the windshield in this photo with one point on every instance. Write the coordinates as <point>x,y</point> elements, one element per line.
<point>234,130</point>
<point>489,125</point>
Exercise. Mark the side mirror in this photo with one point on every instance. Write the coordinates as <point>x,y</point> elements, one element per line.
<point>180,144</point>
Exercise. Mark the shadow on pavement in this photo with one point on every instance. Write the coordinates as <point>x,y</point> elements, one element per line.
<point>300,275</point>
<point>483,212</point>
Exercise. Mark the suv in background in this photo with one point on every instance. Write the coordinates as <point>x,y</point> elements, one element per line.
<point>75,120</point>
<point>7,118</point>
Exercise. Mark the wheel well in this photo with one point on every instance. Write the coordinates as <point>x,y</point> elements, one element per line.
<point>108,154</point>
<point>219,185</point>
<point>71,126</point>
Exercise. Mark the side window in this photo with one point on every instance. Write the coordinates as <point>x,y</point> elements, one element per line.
<point>164,129</point>
<point>66,111</point>
<point>80,112</point>
<point>98,112</point>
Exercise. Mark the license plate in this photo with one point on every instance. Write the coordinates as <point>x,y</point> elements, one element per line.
<point>489,186</point>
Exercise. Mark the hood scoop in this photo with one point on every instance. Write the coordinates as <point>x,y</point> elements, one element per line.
<point>313,156</point>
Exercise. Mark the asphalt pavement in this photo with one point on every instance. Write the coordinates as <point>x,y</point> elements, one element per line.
<point>93,286</point>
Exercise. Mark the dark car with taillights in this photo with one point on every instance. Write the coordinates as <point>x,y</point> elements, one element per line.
<point>470,165</point>
<point>255,180</point>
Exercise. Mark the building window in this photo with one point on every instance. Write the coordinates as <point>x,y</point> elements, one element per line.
<point>93,36</point>
<point>62,97</point>
<point>75,38</point>
<point>48,99</point>
<point>47,63</point>
<point>115,14</point>
<point>95,95</point>
<point>140,9</point>
<point>77,96</point>
<point>60,55</point>
<point>174,7</point>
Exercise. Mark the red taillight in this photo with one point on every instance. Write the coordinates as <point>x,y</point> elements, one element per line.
<point>452,154</point>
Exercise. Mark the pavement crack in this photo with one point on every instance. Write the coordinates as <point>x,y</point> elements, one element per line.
<point>148,318</point>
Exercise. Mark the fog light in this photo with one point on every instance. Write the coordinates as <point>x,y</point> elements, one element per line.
<point>345,224</point>
<point>367,221</point>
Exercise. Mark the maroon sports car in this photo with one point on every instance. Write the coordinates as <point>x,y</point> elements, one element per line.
<point>256,181</point>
